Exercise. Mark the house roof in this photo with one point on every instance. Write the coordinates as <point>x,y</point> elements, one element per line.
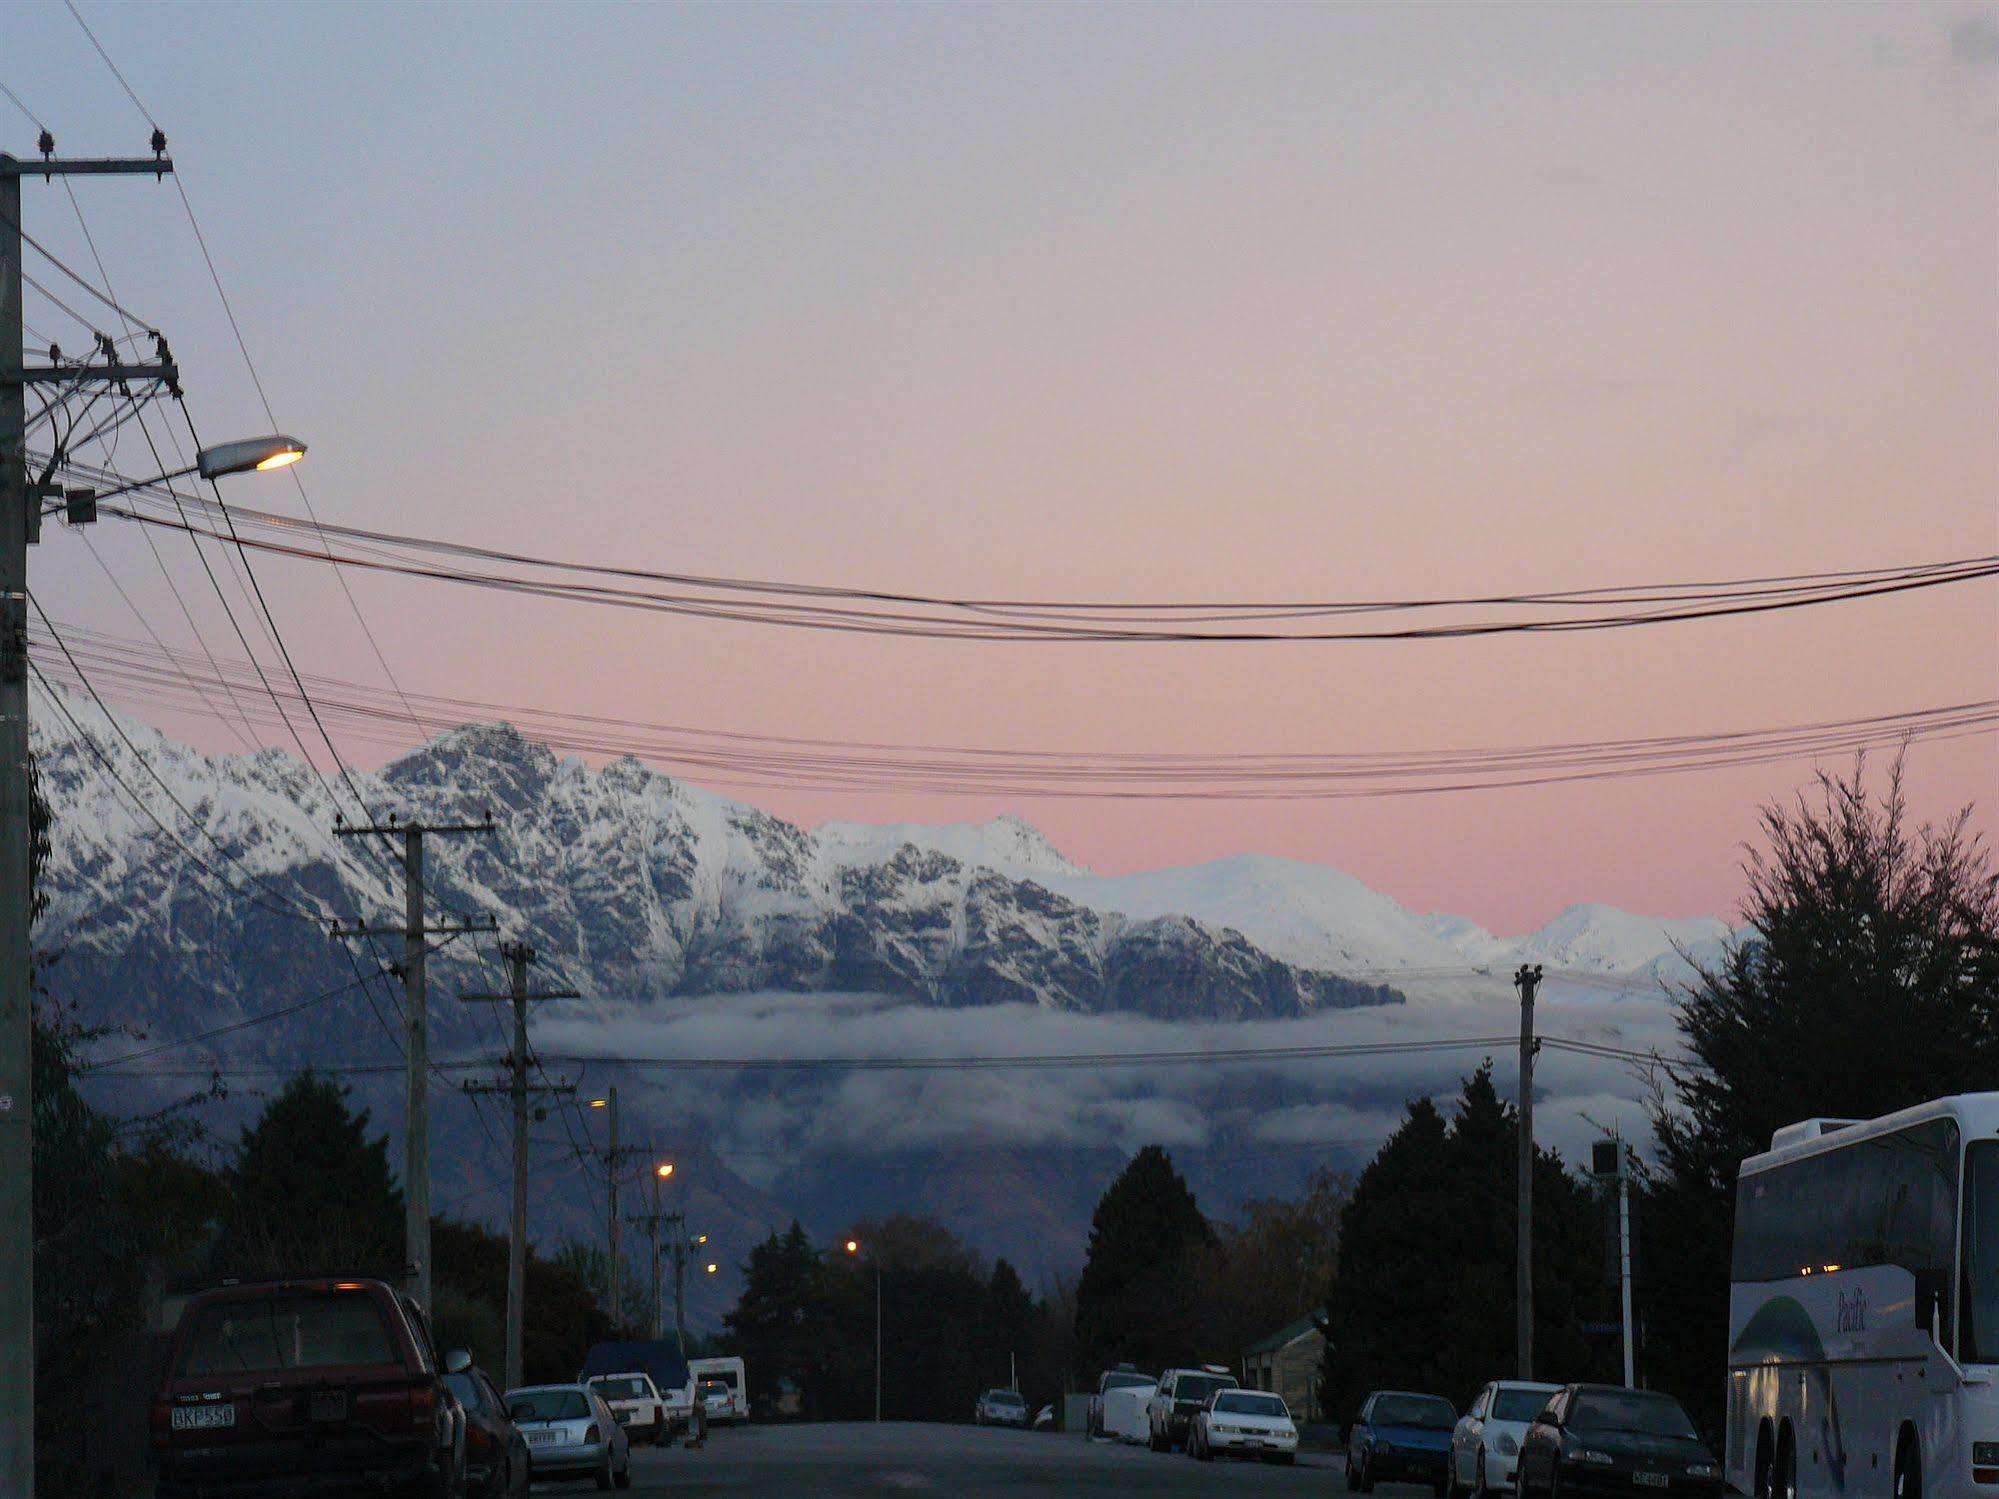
<point>1285,1336</point>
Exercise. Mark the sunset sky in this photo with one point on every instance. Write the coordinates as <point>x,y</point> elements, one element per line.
<point>1099,302</point>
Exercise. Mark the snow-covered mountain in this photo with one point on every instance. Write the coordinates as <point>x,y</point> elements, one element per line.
<point>633,885</point>
<point>638,887</point>
<point>643,891</point>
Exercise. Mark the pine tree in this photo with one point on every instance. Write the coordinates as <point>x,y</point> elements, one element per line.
<point>1424,1296</point>
<point>309,1191</point>
<point>1868,981</point>
<point>1144,1224</point>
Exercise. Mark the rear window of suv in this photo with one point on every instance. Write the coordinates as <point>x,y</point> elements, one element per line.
<point>291,1331</point>
<point>1199,1387</point>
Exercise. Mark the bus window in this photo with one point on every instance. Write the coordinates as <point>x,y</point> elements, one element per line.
<point>1979,1331</point>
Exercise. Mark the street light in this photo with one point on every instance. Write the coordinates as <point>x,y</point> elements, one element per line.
<point>665,1170</point>
<point>854,1247</point>
<point>712,1267</point>
<point>240,457</point>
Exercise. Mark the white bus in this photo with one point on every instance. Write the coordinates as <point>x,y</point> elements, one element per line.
<point>1863,1318</point>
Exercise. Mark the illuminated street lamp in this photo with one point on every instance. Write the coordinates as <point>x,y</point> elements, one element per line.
<point>261,454</point>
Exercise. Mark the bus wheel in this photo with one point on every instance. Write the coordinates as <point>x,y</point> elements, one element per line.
<point>1908,1469</point>
<point>1784,1480</point>
<point>1765,1461</point>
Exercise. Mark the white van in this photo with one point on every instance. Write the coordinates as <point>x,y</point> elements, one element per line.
<point>730,1372</point>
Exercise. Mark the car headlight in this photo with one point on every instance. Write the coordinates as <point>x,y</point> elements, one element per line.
<point>1507,1446</point>
<point>1594,1458</point>
<point>1703,1470</point>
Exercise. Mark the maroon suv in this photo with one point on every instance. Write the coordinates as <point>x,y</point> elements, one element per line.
<point>304,1386</point>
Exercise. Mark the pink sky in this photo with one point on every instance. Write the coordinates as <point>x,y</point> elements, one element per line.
<point>1102,302</point>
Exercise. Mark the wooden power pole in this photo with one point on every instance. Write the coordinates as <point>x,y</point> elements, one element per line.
<point>1527,980</point>
<point>518,955</point>
<point>416,1024</point>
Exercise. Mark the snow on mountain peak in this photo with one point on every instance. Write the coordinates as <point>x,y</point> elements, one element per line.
<point>1606,940</point>
<point>1008,843</point>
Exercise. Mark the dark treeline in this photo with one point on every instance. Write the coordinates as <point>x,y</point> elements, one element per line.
<point>950,1325</point>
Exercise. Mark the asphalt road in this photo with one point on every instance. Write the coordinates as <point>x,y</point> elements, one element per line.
<point>963,1462</point>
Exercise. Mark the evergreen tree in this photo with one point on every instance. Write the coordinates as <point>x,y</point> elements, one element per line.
<point>1424,1297</point>
<point>1868,981</point>
<point>784,1324</point>
<point>1144,1225</point>
<point>309,1191</point>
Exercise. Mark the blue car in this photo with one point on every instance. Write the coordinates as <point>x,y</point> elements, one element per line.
<point>1399,1436</point>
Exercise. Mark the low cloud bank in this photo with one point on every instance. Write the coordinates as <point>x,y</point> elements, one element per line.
<point>766,1122</point>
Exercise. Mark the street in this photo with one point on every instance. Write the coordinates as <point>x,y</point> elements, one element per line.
<point>967,1462</point>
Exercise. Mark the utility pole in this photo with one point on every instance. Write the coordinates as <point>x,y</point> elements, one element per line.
<point>1610,1164</point>
<point>20,520</point>
<point>518,955</point>
<point>681,1245</point>
<point>651,1223</point>
<point>613,1155</point>
<point>416,1025</point>
<point>1527,980</point>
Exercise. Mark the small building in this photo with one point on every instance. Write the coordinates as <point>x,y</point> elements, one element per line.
<point>1287,1363</point>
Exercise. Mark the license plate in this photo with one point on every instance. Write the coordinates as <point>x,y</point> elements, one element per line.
<point>1652,1480</point>
<point>203,1417</point>
<point>540,1438</point>
<point>326,1405</point>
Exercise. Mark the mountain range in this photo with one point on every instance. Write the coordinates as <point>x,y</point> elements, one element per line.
<point>642,891</point>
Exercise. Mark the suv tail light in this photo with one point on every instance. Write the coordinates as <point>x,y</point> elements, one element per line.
<point>159,1422</point>
<point>423,1406</point>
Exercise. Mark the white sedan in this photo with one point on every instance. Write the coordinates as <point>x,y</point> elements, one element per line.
<point>1486,1442</point>
<point>1243,1423</point>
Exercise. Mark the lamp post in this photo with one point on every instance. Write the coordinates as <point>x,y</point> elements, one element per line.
<point>854,1248</point>
<point>660,1173</point>
<point>609,1103</point>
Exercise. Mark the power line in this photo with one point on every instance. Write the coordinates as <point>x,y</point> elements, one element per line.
<point>290,910</point>
<point>169,680</point>
<point>861,612</point>
<point>262,1017</point>
<point>110,64</point>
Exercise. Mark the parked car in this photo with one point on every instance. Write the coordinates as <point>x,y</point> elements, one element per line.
<point>659,1359</point>
<point>1400,1435</point>
<point>1597,1439</point>
<point>1243,1423</point>
<point>496,1454</point>
<point>636,1403</point>
<point>1000,1408</point>
<point>1123,1377</point>
<point>715,1400</point>
<point>731,1372</point>
<point>1486,1442</point>
<point>282,1386</point>
<point>571,1432</point>
<point>1181,1392</point>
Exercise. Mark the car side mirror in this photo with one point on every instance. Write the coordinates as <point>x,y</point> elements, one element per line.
<point>457,1361</point>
